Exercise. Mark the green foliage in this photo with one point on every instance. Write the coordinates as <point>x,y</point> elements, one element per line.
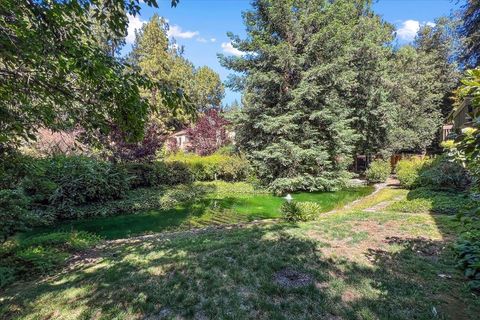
<point>141,199</point>
<point>441,202</point>
<point>213,167</point>
<point>309,210</point>
<point>14,213</point>
<point>294,211</point>
<point>50,47</point>
<point>154,57</point>
<point>309,183</point>
<point>417,117</point>
<point>7,276</point>
<point>469,258</point>
<point>158,173</point>
<point>311,68</point>
<point>14,166</point>
<point>408,171</point>
<point>378,171</point>
<point>444,174</point>
<point>65,181</point>
<point>40,259</point>
<point>470,31</point>
<point>41,254</point>
<point>291,212</point>
<point>466,147</point>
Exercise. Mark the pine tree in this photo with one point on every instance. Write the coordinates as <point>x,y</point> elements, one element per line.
<point>296,123</point>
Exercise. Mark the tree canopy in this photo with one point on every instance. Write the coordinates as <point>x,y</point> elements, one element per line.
<point>54,73</point>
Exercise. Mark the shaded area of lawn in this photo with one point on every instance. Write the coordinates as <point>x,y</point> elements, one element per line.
<point>211,206</point>
<point>231,274</point>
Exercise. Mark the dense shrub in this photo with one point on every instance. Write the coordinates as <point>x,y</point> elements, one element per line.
<point>468,249</point>
<point>14,213</point>
<point>408,171</point>
<point>442,174</point>
<point>65,181</point>
<point>300,211</point>
<point>213,167</point>
<point>309,210</point>
<point>378,171</point>
<point>158,173</point>
<point>309,183</point>
<point>291,211</point>
<point>14,166</point>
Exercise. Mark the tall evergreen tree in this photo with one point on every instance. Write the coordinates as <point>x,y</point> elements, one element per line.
<point>470,30</point>
<point>299,87</point>
<point>418,96</point>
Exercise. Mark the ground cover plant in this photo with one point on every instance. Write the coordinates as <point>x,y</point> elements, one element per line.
<point>351,264</point>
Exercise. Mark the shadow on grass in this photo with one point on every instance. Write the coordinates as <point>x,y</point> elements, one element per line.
<point>230,274</point>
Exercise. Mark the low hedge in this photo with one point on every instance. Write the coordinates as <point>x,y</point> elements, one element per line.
<point>214,167</point>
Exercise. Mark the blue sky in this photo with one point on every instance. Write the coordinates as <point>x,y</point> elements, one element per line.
<point>201,25</point>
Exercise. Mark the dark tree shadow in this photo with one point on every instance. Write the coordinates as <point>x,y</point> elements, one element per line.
<point>232,274</point>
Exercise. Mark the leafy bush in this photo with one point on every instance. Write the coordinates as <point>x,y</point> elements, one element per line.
<point>309,210</point>
<point>442,174</point>
<point>213,167</point>
<point>13,168</point>
<point>300,211</point>
<point>309,183</point>
<point>14,213</point>
<point>468,250</point>
<point>378,171</point>
<point>291,212</point>
<point>158,173</point>
<point>65,181</point>
<point>408,171</point>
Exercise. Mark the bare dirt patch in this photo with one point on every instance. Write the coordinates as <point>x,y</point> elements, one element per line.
<point>290,278</point>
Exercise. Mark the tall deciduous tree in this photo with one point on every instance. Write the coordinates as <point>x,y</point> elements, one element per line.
<point>307,87</point>
<point>208,90</point>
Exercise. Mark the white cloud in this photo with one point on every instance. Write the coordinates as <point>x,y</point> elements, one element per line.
<point>134,23</point>
<point>228,48</point>
<point>202,40</point>
<point>213,40</point>
<point>409,28</point>
<point>176,32</point>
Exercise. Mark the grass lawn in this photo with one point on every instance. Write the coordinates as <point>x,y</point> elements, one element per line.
<point>356,263</point>
<point>215,203</point>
